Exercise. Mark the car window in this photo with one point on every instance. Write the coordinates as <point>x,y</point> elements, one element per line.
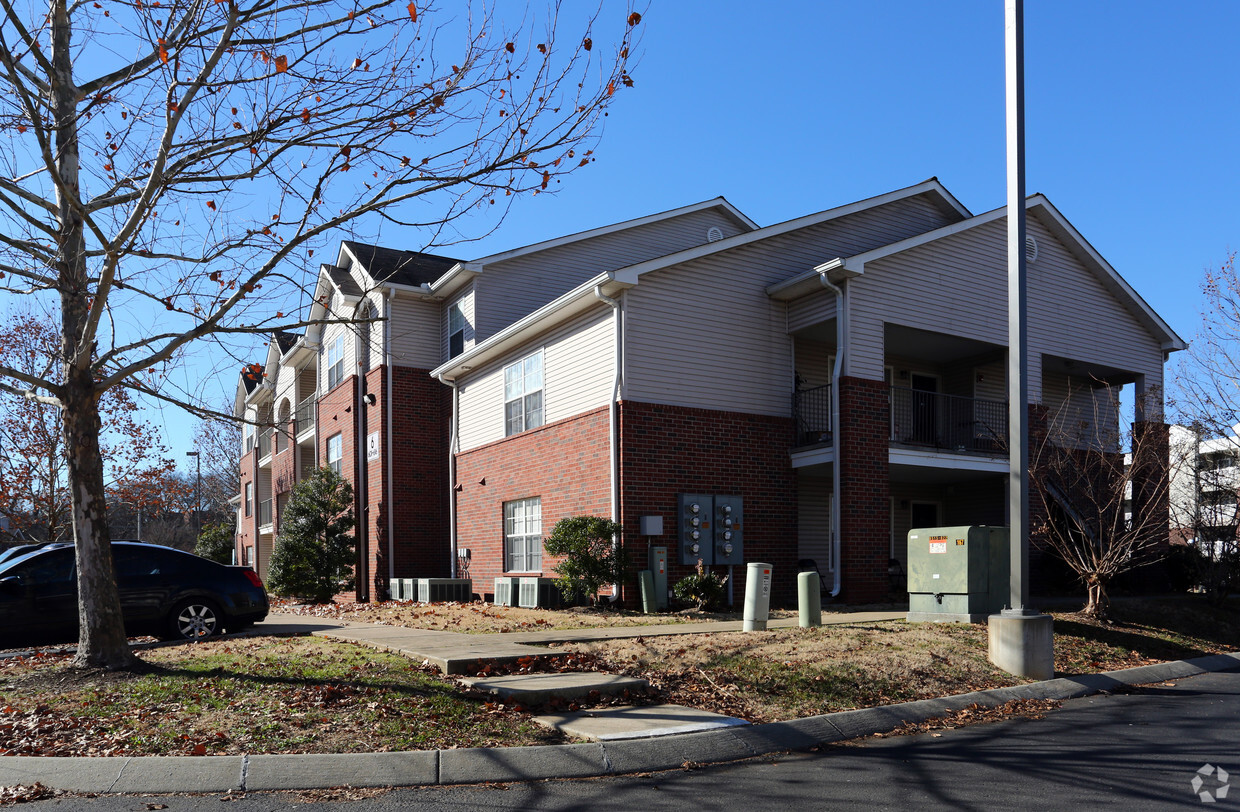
<point>54,566</point>
<point>132,562</point>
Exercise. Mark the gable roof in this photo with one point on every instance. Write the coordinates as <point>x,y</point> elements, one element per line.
<point>391,265</point>
<point>285,340</point>
<point>1040,206</point>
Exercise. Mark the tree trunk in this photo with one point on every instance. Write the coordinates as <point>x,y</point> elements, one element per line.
<point>101,627</point>
<point>1098,603</point>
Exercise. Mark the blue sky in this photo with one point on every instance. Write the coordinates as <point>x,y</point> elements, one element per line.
<point>1132,131</point>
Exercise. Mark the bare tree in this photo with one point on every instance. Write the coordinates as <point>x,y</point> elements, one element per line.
<point>1206,402</point>
<point>169,165</point>
<point>1100,482</point>
<point>34,487</point>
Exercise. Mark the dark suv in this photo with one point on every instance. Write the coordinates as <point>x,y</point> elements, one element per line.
<point>164,592</point>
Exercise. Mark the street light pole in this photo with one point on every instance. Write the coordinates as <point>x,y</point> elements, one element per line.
<point>197,494</point>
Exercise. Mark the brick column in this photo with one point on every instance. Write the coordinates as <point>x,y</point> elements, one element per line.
<point>865,505</point>
<point>1151,460</point>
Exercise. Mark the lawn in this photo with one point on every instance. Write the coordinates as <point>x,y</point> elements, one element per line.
<point>311,695</point>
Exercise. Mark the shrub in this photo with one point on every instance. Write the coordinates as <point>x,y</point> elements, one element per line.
<point>217,543</point>
<point>591,558</point>
<point>703,588</point>
<point>315,550</point>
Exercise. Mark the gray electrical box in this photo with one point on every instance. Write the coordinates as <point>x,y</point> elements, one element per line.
<point>728,530</point>
<point>694,520</point>
<point>957,574</point>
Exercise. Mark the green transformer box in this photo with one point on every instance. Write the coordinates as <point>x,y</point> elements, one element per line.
<point>957,574</point>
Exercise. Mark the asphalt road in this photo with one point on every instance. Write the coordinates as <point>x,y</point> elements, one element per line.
<point>1133,751</point>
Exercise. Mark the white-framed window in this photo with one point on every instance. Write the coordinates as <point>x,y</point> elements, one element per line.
<point>523,394</point>
<point>249,498</point>
<point>456,330</point>
<point>523,535</point>
<point>335,452</point>
<point>335,362</point>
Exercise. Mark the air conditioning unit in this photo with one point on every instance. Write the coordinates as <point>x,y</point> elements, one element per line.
<point>402,589</point>
<point>539,593</point>
<point>506,591</point>
<point>438,590</point>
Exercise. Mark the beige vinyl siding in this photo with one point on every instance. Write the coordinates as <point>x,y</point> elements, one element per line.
<point>330,332</point>
<point>510,289</point>
<point>990,381</point>
<point>815,308</point>
<point>813,362</point>
<point>704,334</point>
<point>1078,412</point>
<point>958,285</point>
<point>814,521</point>
<point>577,377</point>
<point>415,333</point>
<point>466,302</point>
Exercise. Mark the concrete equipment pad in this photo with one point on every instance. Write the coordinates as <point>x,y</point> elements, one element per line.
<point>611,724</point>
<point>535,689</point>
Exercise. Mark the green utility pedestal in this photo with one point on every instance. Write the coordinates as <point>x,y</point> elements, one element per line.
<point>957,574</point>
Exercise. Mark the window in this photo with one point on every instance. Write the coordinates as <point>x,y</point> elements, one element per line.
<point>523,396</point>
<point>249,498</point>
<point>335,452</point>
<point>335,362</point>
<point>523,535</point>
<point>456,331</point>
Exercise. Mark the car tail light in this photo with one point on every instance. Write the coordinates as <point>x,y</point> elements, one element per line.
<point>254,579</point>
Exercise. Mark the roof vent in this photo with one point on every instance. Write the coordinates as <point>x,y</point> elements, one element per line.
<point>1031,249</point>
<point>714,234</point>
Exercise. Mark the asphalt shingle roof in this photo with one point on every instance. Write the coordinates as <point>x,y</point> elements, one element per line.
<point>400,267</point>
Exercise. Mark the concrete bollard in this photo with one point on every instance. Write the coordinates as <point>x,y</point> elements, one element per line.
<point>757,597</point>
<point>809,599</point>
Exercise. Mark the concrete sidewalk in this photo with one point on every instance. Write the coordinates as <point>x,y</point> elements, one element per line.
<point>453,652</point>
<point>219,774</point>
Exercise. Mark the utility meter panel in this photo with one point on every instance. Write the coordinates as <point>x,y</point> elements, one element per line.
<point>694,524</point>
<point>729,530</point>
<point>957,573</point>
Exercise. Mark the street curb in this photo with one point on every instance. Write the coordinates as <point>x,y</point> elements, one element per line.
<point>212,774</point>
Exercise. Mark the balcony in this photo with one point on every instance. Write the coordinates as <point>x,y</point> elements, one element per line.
<point>811,414</point>
<point>264,513</point>
<point>264,443</point>
<point>952,423</point>
<point>304,417</point>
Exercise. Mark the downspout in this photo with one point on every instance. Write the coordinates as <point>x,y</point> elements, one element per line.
<point>841,336</point>
<point>387,458</point>
<point>452,441</point>
<point>612,421</point>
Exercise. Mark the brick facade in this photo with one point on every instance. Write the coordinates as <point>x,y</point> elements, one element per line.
<point>669,450</point>
<point>865,531</point>
<point>565,463</point>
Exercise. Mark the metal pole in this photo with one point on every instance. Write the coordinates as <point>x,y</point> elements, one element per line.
<point>1018,385</point>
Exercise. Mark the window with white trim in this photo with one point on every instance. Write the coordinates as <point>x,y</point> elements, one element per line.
<point>249,498</point>
<point>523,394</point>
<point>456,330</point>
<point>335,452</point>
<point>523,535</point>
<point>335,362</point>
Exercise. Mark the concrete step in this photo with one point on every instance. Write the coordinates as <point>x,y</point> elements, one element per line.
<point>535,689</point>
<point>611,724</point>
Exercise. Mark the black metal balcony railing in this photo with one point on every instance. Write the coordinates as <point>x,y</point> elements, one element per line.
<point>811,414</point>
<point>264,443</point>
<point>928,419</point>
<point>264,512</point>
<point>950,422</point>
<point>304,416</point>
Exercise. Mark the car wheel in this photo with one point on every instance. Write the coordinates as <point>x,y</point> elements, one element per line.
<point>194,619</point>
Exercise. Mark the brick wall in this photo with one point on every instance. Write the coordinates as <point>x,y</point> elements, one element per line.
<point>335,416</point>
<point>247,528</point>
<point>564,463</point>
<point>669,450</point>
<point>865,489</point>
<point>419,469</point>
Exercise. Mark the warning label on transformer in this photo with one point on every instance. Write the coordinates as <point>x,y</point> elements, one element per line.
<point>938,544</point>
